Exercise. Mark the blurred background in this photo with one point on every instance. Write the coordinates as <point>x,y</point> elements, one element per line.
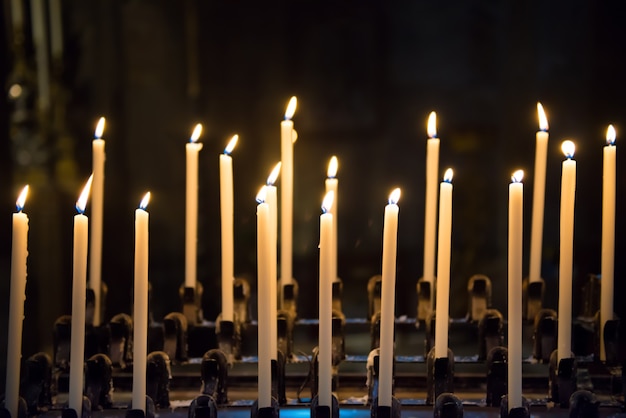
<point>366,74</point>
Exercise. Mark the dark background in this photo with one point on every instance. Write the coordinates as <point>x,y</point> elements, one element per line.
<point>366,74</point>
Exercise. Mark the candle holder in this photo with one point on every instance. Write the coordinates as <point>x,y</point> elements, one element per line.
<point>373,295</point>
<point>72,413</point>
<point>479,294</point>
<point>590,296</point>
<point>448,405</point>
<point>425,297</point>
<point>545,334</point>
<point>583,404</point>
<point>91,303</point>
<point>266,412</point>
<point>191,300</point>
<point>290,297</point>
<point>62,337</point>
<point>241,300</point>
<point>490,332</point>
<point>381,411</point>
<point>214,376</point>
<point>229,338</point>
<point>497,375</point>
<point>99,381</point>
<point>611,341</point>
<point>139,413</point>
<point>203,406</point>
<point>175,336</point>
<point>532,297</point>
<point>158,376</point>
<point>285,322</point>
<point>121,345</point>
<point>562,379</point>
<point>518,412</point>
<point>373,374</point>
<point>36,383</point>
<point>325,411</point>
<point>278,379</point>
<point>439,375</point>
<point>337,295</point>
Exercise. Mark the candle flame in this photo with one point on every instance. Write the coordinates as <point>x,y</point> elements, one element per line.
<point>394,196</point>
<point>100,128</point>
<point>262,194</point>
<point>327,203</point>
<point>517,176</point>
<point>271,179</point>
<point>21,199</point>
<point>82,200</point>
<point>231,144</point>
<point>610,135</point>
<point>333,164</point>
<point>144,202</point>
<point>291,108</point>
<point>568,148</point>
<point>543,120</point>
<point>432,125</point>
<point>197,131</point>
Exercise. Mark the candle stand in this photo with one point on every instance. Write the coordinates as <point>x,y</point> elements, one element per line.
<point>479,296</point>
<point>440,375</point>
<point>544,334</point>
<point>121,344</point>
<point>497,374</point>
<point>562,379</point>
<point>490,332</point>
<point>382,411</point>
<point>241,299</point>
<point>229,338</point>
<point>289,300</point>
<point>448,405</point>
<point>174,336</point>
<point>214,376</point>
<point>265,412</point>
<point>99,381</point>
<point>532,297</point>
<point>425,297</point>
<point>324,411</point>
<point>373,295</point>
<point>158,376</point>
<point>284,330</point>
<point>191,301</point>
<point>518,412</point>
<point>203,407</point>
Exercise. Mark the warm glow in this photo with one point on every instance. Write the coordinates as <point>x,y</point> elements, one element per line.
<point>517,176</point>
<point>197,131</point>
<point>261,195</point>
<point>144,202</point>
<point>568,148</point>
<point>432,125</point>
<point>333,164</point>
<point>327,203</point>
<point>271,179</point>
<point>543,120</point>
<point>231,145</point>
<point>82,200</point>
<point>394,196</point>
<point>100,128</point>
<point>15,91</point>
<point>21,199</point>
<point>291,108</point>
<point>610,135</point>
<point>447,177</point>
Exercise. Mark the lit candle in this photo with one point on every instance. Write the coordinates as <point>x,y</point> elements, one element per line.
<point>325,344</point>
<point>387,302</point>
<point>539,187</point>
<point>514,361</point>
<point>286,194</point>
<point>331,184</point>
<point>443,266</point>
<point>95,236</point>
<point>568,194</point>
<point>430,209</point>
<point>263,291</point>
<point>608,235</point>
<point>140,306</point>
<point>227,214</point>
<point>19,253</point>
<point>191,215</point>
<point>79,297</point>
<point>271,199</point>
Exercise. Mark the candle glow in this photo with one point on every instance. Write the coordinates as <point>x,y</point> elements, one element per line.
<point>333,165</point>
<point>543,120</point>
<point>195,135</point>
<point>327,203</point>
<point>610,135</point>
<point>517,176</point>
<point>21,199</point>
<point>81,203</point>
<point>231,144</point>
<point>99,128</point>
<point>271,179</point>
<point>568,149</point>
<point>432,125</point>
<point>291,108</point>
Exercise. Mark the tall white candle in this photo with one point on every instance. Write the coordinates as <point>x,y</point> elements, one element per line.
<point>325,344</point>
<point>227,214</point>
<point>263,291</point>
<point>608,235</point>
<point>442,308</point>
<point>539,188</point>
<point>272,201</point>
<point>286,193</point>
<point>19,253</point>
<point>388,297</point>
<point>140,306</point>
<point>332,184</point>
<point>568,194</point>
<point>79,295</point>
<point>95,236</point>
<point>191,207</point>
<point>516,234</point>
<point>430,208</point>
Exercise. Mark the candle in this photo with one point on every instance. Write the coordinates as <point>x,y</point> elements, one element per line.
<point>325,345</point>
<point>95,236</point>
<point>387,302</point>
<point>514,361</point>
<point>568,193</point>
<point>443,266</point>
<point>331,184</point>
<point>140,306</point>
<point>430,209</point>
<point>263,291</point>
<point>608,235</point>
<point>286,194</point>
<point>40,41</point>
<point>539,187</point>
<point>19,253</point>
<point>227,213</point>
<point>79,290</point>
<point>271,199</point>
<point>192,149</point>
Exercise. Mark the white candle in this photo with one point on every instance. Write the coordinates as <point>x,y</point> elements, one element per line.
<point>263,291</point>
<point>140,306</point>
<point>286,194</point>
<point>608,235</point>
<point>568,193</point>
<point>19,253</point>
<point>95,236</point>
<point>516,231</point>
<point>442,308</point>
<point>332,184</point>
<point>79,296</point>
<point>325,344</point>
<point>430,208</point>
<point>387,302</point>
<point>539,187</point>
<point>191,207</point>
<point>272,201</point>
<point>227,214</point>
